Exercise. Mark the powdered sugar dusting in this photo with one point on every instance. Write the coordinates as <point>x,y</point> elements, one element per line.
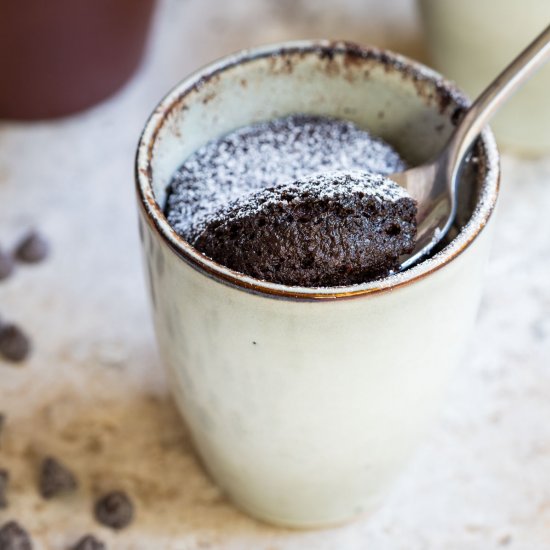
<point>333,185</point>
<point>269,154</point>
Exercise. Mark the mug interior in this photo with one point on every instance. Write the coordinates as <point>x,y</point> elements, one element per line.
<point>404,103</point>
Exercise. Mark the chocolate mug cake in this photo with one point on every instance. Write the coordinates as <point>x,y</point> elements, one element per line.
<point>300,200</point>
<point>300,400</point>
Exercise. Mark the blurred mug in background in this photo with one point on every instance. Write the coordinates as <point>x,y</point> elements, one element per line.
<point>58,57</point>
<point>470,41</point>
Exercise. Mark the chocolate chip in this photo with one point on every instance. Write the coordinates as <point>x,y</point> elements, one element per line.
<point>55,478</point>
<point>14,344</point>
<point>89,542</point>
<point>114,510</point>
<point>4,480</point>
<point>7,265</point>
<point>14,537</point>
<point>33,248</point>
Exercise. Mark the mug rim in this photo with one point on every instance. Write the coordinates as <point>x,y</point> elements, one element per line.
<point>186,252</point>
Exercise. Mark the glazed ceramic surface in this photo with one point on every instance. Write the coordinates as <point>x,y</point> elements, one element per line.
<point>305,404</point>
<point>471,41</point>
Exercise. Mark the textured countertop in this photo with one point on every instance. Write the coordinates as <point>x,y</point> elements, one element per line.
<point>93,392</point>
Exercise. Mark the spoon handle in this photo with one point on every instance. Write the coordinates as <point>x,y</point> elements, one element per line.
<point>496,94</point>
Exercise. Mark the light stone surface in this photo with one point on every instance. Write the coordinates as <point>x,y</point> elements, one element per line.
<point>94,393</point>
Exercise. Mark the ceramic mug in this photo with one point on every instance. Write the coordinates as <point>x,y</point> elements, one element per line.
<point>471,41</point>
<point>61,56</point>
<point>306,403</point>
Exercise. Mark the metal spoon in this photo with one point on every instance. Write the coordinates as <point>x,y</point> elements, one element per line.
<point>434,185</point>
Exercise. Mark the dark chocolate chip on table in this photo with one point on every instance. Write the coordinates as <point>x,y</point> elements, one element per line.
<point>115,510</point>
<point>2,424</point>
<point>14,537</point>
<point>32,248</point>
<point>55,478</point>
<point>14,344</point>
<point>4,480</point>
<point>7,265</point>
<point>89,542</point>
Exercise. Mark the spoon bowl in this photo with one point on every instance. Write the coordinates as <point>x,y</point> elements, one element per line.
<point>434,185</point>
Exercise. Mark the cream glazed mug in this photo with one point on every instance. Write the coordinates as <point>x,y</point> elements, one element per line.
<point>471,41</point>
<point>305,404</point>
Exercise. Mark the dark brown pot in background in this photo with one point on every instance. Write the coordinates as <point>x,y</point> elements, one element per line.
<point>61,56</point>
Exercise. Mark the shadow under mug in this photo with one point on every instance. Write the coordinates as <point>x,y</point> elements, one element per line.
<point>305,404</point>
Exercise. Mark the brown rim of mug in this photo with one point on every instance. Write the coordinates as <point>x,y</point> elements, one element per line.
<point>324,49</point>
